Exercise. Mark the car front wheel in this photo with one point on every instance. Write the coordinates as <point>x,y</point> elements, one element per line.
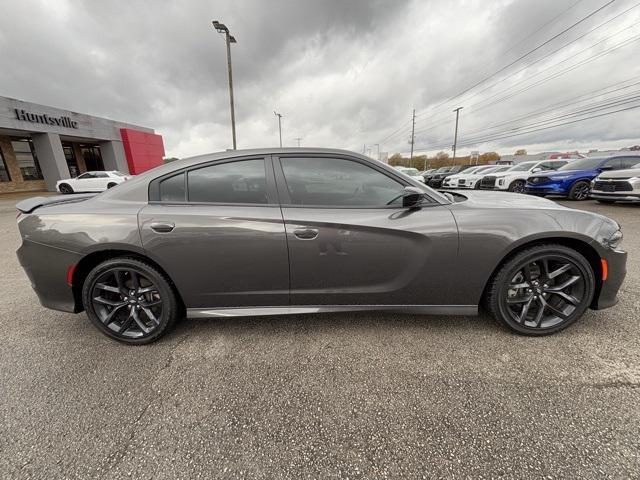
<point>579,190</point>
<point>130,300</point>
<point>541,290</point>
<point>517,186</point>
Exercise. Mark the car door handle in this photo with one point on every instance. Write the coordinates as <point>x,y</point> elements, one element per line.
<point>162,227</point>
<point>306,233</point>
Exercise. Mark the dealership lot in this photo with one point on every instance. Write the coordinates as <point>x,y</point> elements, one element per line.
<point>342,395</point>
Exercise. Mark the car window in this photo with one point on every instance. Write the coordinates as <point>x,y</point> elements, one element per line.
<point>172,189</point>
<point>629,162</point>
<point>613,164</point>
<point>86,176</point>
<point>553,165</point>
<point>335,182</point>
<point>233,182</point>
<point>522,167</point>
<point>101,175</point>
<point>582,164</point>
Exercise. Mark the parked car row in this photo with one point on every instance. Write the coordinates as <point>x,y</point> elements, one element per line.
<point>606,179</point>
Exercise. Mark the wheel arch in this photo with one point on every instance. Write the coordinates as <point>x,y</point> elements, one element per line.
<point>579,245</point>
<point>89,261</point>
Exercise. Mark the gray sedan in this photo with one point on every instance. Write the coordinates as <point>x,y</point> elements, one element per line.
<point>277,231</point>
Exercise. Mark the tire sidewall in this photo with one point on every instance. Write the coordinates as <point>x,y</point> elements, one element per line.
<point>512,186</point>
<point>67,187</point>
<point>516,263</point>
<point>169,305</point>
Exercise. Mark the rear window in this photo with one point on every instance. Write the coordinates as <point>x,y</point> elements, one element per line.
<point>172,189</point>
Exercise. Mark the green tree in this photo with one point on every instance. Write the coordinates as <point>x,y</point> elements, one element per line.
<point>521,151</point>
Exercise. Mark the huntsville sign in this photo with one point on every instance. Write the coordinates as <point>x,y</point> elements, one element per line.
<point>45,119</point>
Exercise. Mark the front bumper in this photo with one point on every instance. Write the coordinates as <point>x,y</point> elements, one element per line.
<point>617,271</point>
<point>47,269</point>
<point>619,196</point>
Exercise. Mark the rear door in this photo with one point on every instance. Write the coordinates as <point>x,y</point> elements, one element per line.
<point>218,231</point>
<point>351,242</point>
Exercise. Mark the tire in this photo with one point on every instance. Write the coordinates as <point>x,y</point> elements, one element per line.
<point>111,185</point>
<point>517,186</point>
<point>65,188</point>
<point>538,311</point>
<point>579,190</point>
<point>123,311</point>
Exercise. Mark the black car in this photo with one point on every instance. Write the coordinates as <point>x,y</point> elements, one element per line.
<point>429,175</point>
<point>436,180</point>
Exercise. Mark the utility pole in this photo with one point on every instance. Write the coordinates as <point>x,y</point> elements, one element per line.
<point>413,138</point>
<point>297,139</point>
<point>279,125</point>
<point>222,28</point>
<point>455,135</point>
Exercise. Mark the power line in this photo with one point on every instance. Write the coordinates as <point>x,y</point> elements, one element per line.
<point>546,42</point>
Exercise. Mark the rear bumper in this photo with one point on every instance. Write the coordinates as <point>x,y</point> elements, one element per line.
<point>617,271</point>
<point>47,269</point>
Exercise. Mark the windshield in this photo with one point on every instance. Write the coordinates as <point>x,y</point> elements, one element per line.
<point>443,169</point>
<point>522,167</point>
<point>582,164</point>
<point>492,170</point>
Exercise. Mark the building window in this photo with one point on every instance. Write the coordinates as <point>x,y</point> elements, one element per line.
<point>70,157</point>
<point>26,159</point>
<point>92,157</point>
<point>4,171</point>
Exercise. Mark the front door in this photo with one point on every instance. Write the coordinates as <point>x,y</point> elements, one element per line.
<point>218,232</point>
<point>351,242</point>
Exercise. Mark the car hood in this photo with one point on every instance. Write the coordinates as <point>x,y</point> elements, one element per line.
<point>490,199</point>
<point>630,172</point>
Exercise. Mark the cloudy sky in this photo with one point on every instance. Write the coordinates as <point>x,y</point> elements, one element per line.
<point>343,73</point>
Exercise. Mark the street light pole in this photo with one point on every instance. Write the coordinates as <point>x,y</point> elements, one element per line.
<point>455,135</point>
<point>279,126</point>
<point>222,28</point>
<point>297,139</point>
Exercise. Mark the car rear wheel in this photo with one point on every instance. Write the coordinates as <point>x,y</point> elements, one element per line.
<point>517,186</point>
<point>541,290</point>
<point>579,190</point>
<point>130,300</point>
<point>65,188</point>
<point>111,185</point>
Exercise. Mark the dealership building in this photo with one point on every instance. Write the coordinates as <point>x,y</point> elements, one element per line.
<point>40,145</point>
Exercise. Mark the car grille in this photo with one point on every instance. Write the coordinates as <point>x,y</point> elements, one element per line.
<point>461,181</point>
<point>537,180</point>
<point>487,182</point>
<point>613,186</point>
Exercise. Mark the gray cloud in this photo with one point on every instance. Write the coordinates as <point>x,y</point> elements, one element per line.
<point>342,73</point>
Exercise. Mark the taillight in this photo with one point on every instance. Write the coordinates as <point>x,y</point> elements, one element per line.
<point>70,272</point>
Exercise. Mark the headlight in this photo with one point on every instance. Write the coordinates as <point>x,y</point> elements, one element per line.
<point>614,240</point>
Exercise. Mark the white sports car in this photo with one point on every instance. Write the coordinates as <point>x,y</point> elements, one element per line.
<point>92,182</point>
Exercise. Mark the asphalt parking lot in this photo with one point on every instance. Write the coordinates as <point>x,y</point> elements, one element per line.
<point>367,395</point>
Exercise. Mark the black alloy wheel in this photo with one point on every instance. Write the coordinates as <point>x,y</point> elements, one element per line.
<point>65,188</point>
<point>542,290</point>
<point>129,300</point>
<point>580,190</point>
<point>517,186</point>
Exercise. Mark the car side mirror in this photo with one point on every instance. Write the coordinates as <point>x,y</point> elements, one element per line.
<point>537,169</point>
<point>606,167</point>
<point>412,197</point>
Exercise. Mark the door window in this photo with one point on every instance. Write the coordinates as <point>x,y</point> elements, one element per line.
<point>27,160</point>
<point>87,176</point>
<point>335,182</point>
<point>630,162</point>
<point>233,182</point>
<point>4,171</point>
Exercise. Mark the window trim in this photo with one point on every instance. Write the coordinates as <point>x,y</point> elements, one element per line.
<point>272,197</point>
<point>285,197</point>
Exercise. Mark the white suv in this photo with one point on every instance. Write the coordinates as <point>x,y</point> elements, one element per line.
<point>515,178</point>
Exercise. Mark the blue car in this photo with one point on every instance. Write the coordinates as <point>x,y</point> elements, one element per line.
<point>574,179</point>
